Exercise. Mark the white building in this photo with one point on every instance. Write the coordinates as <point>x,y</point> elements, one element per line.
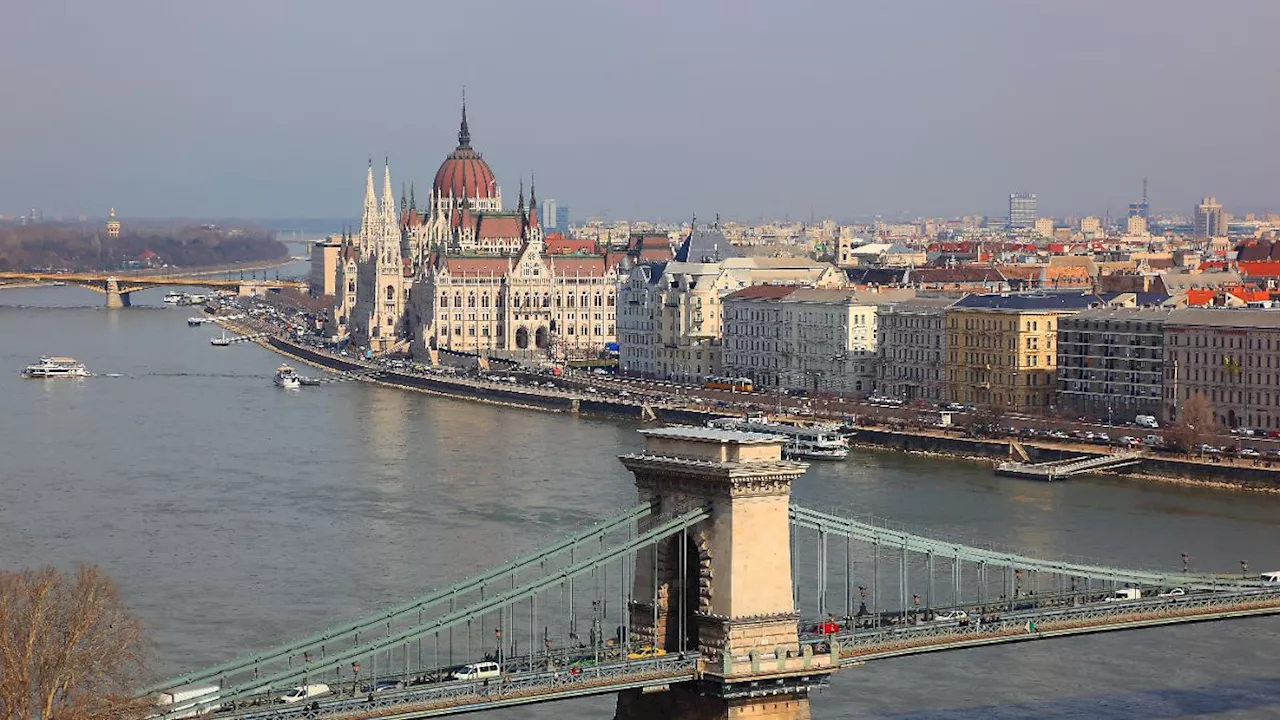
<point>823,340</point>
<point>669,313</point>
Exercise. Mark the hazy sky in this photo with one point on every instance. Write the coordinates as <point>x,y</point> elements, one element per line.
<point>630,108</point>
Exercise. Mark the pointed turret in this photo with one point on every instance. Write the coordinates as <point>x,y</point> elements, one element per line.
<point>464,133</point>
<point>533,202</point>
<point>388,199</point>
<point>413,202</point>
<point>520,198</point>
<point>369,218</point>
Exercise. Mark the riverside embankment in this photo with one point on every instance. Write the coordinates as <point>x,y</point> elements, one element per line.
<point>1221,473</point>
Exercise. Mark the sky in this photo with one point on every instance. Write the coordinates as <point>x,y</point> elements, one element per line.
<point>646,110</point>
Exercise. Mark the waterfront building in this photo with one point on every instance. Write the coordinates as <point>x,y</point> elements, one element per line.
<point>1002,348</point>
<point>1210,220</point>
<point>817,339</point>
<point>912,341</point>
<point>325,258</point>
<point>380,274</point>
<point>1022,210</point>
<point>1232,356</point>
<point>113,225</point>
<point>1111,362</point>
<point>670,313</point>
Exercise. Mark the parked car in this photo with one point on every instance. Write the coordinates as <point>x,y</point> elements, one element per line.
<point>1249,452</point>
<point>645,653</point>
<point>951,615</point>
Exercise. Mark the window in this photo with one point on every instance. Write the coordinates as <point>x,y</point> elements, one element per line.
<point>444,300</point>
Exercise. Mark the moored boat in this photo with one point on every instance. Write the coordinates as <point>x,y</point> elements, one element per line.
<point>810,442</point>
<point>55,367</point>
<point>286,377</point>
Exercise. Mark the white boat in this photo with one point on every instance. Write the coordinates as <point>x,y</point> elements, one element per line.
<point>196,321</point>
<point>173,298</point>
<point>287,378</point>
<point>222,341</point>
<point>55,367</point>
<point>815,442</point>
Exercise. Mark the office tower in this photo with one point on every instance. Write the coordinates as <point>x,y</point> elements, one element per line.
<point>1022,210</point>
<point>1210,220</point>
<point>1141,209</point>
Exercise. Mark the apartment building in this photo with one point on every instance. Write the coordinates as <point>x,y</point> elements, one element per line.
<point>1232,355</point>
<point>912,340</point>
<point>821,340</point>
<point>1002,348</point>
<point>1111,362</point>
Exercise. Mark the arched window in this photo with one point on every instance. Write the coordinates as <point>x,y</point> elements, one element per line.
<point>569,300</point>
<point>457,300</point>
<point>546,300</point>
<point>471,300</point>
<point>515,301</point>
<point>444,300</point>
<point>484,301</point>
<point>610,300</point>
<point>351,286</point>
<point>391,292</point>
<point>584,300</point>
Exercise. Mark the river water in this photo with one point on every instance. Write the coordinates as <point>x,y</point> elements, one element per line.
<point>235,515</point>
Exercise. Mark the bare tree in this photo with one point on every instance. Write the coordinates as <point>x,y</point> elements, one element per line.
<point>69,648</point>
<point>1195,421</point>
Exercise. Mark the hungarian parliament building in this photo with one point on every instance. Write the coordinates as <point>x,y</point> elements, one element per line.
<point>462,273</point>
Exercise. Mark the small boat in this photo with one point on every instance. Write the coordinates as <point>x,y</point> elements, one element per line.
<point>57,283</point>
<point>196,321</point>
<point>55,367</point>
<point>173,298</point>
<point>287,378</point>
<point>222,341</point>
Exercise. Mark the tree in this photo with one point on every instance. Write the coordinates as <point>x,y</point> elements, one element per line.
<point>69,648</point>
<point>1195,421</point>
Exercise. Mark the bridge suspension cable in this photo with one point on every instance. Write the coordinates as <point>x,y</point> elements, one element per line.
<point>823,522</point>
<point>455,617</point>
<point>435,597</point>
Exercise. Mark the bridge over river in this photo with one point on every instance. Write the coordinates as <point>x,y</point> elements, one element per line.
<point>689,605</point>
<point>118,286</point>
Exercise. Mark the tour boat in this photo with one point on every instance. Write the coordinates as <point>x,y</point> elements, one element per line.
<point>196,321</point>
<point>809,442</point>
<point>220,341</point>
<point>173,298</point>
<point>54,367</point>
<point>287,378</point>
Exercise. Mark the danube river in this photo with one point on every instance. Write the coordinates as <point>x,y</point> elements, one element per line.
<point>235,515</point>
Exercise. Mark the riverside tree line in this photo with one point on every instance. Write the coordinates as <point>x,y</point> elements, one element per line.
<point>76,247</point>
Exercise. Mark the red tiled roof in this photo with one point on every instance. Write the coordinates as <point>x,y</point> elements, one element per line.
<point>476,266</point>
<point>595,266</point>
<point>561,245</point>
<point>494,227</point>
<point>1260,268</point>
<point>1249,295</point>
<point>1200,297</point>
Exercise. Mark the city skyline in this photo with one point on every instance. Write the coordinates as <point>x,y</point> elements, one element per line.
<point>714,111</point>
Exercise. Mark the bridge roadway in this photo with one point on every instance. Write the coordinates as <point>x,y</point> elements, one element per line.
<point>118,286</point>
<point>550,676</point>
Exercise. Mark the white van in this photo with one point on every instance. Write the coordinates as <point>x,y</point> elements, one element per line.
<point>1124,595</point>
<point>303,692</point>
<point>478,671</point>
<point>1146,421</point>
<point>1270,578</point>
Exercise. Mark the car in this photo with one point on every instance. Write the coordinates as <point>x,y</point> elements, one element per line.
<point>1206,449</point>
<point>302,692</point>
<point>478,671</point>
<point>646,652</point>
<point>1249,452</point>
<point>1129,441</point>
<point>951,615</point>
<point>382,686</point>
<point>1173,592</point>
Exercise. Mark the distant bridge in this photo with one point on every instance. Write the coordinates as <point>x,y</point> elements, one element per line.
<point>118,286</point>
<point>714,596</point>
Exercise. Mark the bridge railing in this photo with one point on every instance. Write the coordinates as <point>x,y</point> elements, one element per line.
<point>855,643</point>
<point>509,689</point>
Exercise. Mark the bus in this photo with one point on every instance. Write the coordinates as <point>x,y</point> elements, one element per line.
<point>741,384</point>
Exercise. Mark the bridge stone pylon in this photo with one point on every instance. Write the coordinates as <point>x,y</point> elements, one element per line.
<point>723,588</point>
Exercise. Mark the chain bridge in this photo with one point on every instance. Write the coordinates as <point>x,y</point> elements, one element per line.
<point>712,597</point>
<point>117,287</point>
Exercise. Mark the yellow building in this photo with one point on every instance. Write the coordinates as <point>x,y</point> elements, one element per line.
<point>1002,348</point>
<point>113,225</point>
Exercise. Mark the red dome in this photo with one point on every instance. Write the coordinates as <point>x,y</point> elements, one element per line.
<point>464,173</point>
